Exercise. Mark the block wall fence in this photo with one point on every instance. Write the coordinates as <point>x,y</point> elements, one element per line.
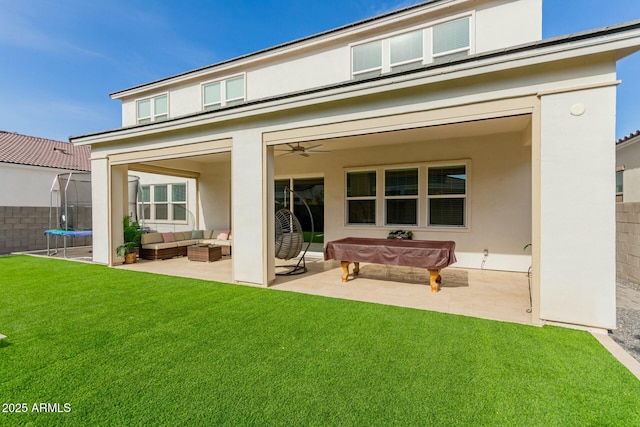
<point>628,242</point>
<point>22,229</point>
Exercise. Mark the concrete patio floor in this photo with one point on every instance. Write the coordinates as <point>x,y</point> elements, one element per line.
<point>494,295</point>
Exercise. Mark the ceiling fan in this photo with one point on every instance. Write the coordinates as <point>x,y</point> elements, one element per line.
<point>301,150</point>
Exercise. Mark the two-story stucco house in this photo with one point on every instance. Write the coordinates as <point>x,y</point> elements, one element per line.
<point>450,118</point>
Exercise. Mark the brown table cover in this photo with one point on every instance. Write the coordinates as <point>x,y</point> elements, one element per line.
<point>429,254</point>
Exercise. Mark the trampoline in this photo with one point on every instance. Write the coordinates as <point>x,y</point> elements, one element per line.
<point>69,209</point>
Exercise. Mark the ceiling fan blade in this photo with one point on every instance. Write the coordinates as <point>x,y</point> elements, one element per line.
<point>313,146</point>
<point>286,154</point>
<point>318,151</point>
<point>304,154</point>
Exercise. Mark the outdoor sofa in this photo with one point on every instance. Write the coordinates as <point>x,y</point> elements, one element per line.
<point>156,246</point>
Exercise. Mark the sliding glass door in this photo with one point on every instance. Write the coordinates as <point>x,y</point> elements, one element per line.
<point>312,191</point>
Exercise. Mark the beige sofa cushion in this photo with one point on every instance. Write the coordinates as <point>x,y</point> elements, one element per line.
<point>215,242</point>
<point>181,235</point>
<point>149,238</point>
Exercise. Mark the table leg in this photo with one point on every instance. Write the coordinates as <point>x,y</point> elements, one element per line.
<point>434,280</point>
<point>345,270</point>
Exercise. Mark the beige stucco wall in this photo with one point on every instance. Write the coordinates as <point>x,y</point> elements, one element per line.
<point>577,217</point>
<point>215,196</point>
<point>631,185</point>
<point>498,24</point>
<point>26,185</point>
<point>628,155</point>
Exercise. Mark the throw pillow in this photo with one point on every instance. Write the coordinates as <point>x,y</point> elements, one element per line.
<point>168,237</point>
<point>197,234</point>
<point>223,236</point>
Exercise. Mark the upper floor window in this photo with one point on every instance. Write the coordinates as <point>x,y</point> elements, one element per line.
<point>441,42</point>
<point>223,93</point>
<point>367,58</point>
<point>152,109</point>
<point>451,40</point>
<point>406,48</point>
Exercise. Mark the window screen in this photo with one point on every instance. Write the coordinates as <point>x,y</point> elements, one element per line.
<point>447,190</point>
<point>367,56</point>
<point>451,36</point>
<point>406,47</point>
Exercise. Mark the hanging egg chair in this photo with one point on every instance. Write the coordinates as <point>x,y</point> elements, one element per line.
<point>290,239</point>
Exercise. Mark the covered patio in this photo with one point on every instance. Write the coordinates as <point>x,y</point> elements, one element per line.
<point>487,294</point>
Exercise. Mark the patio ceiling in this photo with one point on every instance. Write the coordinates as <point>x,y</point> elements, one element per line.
<point>512,124</point>
<point>176,167</point>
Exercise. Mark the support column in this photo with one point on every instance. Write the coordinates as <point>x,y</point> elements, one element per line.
<point>249,175</point>
<point>270,217</point>
<point>119,208</point>
<point>577,208</point>
<point>100,210</point>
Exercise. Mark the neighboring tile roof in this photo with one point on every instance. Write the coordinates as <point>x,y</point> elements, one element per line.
<point>628,137</point>
<point>34,151</point>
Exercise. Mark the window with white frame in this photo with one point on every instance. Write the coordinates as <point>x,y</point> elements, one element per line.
<point>163,202</point>
<point>179,202</point>
<point>367,59</point>
<point>223,93</point>
<point>447,196</point>
<point>397,52</point>
<point>428,195</point>
<point>406,49</point>
<point>451,40</point>
<point>619,181</point>
<point>401,196</point>
<point>152,109</point>
<point>361,197</point>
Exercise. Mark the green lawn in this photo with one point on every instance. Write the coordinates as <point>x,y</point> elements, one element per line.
<point>126,348</point>
<point>318,236</point>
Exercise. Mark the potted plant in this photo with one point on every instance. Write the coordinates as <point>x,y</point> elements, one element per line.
<point>132,234</point>
<point>400,234</point>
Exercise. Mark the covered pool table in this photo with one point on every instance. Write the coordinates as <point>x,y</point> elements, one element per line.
<point>429,254</point>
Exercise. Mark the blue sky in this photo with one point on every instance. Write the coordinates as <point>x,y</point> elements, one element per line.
<point>59,60</point>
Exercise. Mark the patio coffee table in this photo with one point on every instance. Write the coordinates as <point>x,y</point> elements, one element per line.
<point>204,253</point>
<point>430,254</point>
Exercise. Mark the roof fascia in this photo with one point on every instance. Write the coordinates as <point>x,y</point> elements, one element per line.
<point>305,43</point>
<point>628,142</point>
<point>480,64</point>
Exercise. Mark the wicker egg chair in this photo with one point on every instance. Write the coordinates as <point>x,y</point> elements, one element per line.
<point>290,239</point>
